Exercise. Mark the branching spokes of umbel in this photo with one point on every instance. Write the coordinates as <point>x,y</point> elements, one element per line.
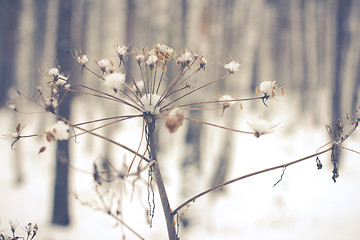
<point>154,95</point>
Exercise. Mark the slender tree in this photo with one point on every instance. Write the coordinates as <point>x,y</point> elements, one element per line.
<point>9,19</point>
<point>63,45</point>
<point>342,40</point>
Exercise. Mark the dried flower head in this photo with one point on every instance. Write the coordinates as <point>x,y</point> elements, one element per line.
<point>13,225</point>
<point>14,136</point>
<point>164,52</point>
<point>58,131</point>
<point>111,67</point>
<point>268,88</point>
<point>82,59</point>
<point>54,71</point>
<point>203,63</point>
<point>140,58</point>
<point>121,50</point>
<point>226,101</point>
<point>103,64</point>
<point>5,237</point>
<point>262,126</point>
<point>152,60</point>
<point>31,230</point>
<point>174,120</point>
<point>115,81</point>
<point>185,59</point>
<point>62,81</point>
<point>232,66</point>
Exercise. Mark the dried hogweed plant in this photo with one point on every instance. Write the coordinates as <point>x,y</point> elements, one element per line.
<point>153,95</point>
<point>30,231</point>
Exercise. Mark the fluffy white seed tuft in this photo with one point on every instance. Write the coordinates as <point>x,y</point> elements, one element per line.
<point>115,81</point>
<point>151,61</point>
<point>185,58</point>
<point>232,66</point>
<point>60,130</point>
<point>103,64</point>
<point>262,126</point>
<point>226,101</point>
<point>121,50</point>
<point>83,59</point>
<point>149,102</point>
<point>268,88</point>
<point>54,71</point>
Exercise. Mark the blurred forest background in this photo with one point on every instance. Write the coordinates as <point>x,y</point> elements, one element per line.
<point>310,47</point>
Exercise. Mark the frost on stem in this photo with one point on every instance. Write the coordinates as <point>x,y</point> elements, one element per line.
<point>262,126</point>
<point>232,67</point>
<point>174,120</point>
<point>50,104</point>
<point>58,131</point>
<point>115,81</point>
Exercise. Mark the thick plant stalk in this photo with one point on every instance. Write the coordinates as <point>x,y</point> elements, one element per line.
<point>159,181</point>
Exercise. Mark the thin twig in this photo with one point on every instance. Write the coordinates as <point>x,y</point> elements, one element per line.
<point>281,177</point>
<point>103,137</point>
<point>196,89</point>
<point>218,126</point>
<point>350,150</point>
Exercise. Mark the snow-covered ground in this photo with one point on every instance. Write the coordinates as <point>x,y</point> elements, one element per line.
<point>306,204</point>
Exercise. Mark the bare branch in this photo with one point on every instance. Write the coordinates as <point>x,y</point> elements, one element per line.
<point>245,176</point>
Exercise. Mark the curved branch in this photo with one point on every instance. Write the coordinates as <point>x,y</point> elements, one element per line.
<point>246,176</point>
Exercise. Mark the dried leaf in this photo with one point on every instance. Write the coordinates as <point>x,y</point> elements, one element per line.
<point>282,91</point>
<point>50,137</point>
<point>42,149</point>
<point>18,128</point>
<point>241,107</point>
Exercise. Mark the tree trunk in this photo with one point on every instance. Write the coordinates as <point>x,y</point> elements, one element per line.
<point>355,96</point>
<point>130,25</point>
<point>224,159</point>
<point>342,40</point>
<point>61,214</point>
<point>40,10</point>
<point>9,19</point>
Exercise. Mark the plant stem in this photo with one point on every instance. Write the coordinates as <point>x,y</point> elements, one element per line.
<point>159,181</point>
<point>246,176</point>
